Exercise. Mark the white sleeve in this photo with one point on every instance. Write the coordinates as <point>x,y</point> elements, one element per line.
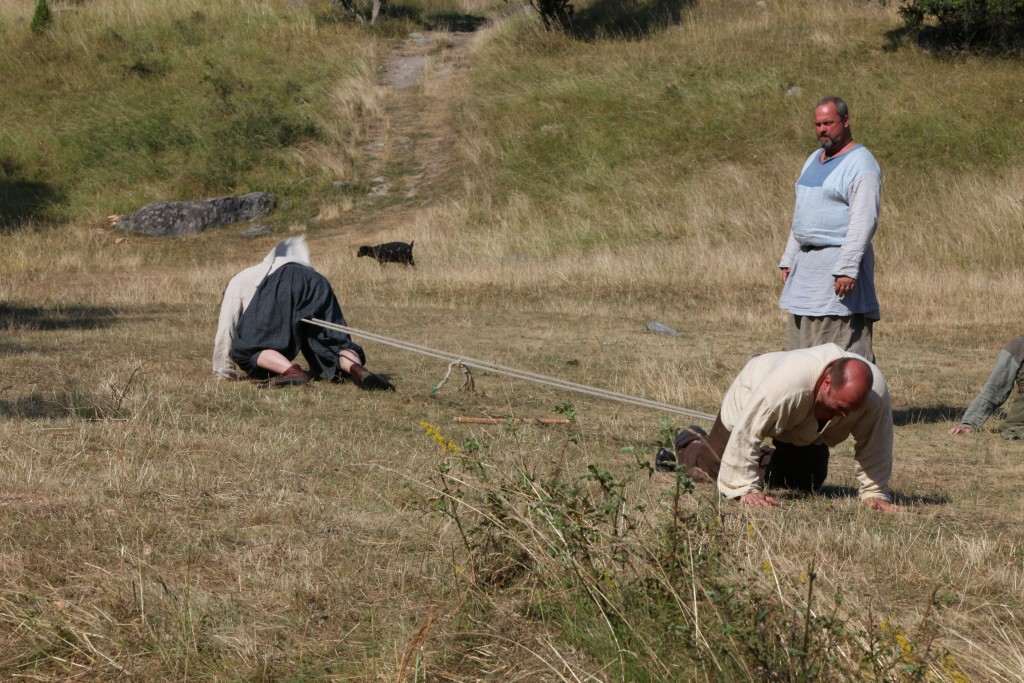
<point>873,444</point>
<point>230,312</point>
<point>737,475</point>
<point>762,415</point>
<point>792,247</point>
<point>864,198</point>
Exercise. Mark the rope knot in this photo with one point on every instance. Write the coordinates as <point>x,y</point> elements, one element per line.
<point>468,385</point>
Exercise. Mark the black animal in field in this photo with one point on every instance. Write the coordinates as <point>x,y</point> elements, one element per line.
<point>390,252</point>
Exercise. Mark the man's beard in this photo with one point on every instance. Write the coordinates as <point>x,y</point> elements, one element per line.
<point>827,143</point>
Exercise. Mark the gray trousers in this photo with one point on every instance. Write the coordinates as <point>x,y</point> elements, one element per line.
<point>998,388</point>
<point>851,333</point>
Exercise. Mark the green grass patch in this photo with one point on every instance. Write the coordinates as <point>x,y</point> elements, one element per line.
<point>579,128</point>
<point>120,104</point>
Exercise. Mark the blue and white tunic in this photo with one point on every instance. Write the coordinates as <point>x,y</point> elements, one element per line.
<point>836,215</point>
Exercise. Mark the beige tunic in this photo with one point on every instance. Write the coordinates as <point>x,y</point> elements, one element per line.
<point>773,396</point>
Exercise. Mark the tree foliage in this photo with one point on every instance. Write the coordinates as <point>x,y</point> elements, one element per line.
<point>971,24</point>
<point>554,13</point>
<point>361,8</point>
<point>42,18</point>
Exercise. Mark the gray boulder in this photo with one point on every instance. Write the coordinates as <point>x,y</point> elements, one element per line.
<point>175,219</point>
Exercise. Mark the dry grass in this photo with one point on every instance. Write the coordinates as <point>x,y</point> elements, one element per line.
<point>159,525</point>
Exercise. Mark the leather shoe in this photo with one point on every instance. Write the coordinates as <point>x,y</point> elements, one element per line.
<point>290,377</point>
<point>367,380</point>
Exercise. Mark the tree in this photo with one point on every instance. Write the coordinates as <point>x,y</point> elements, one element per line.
<point>991,24</point>
<point>357,7</point>
<point>42,18</point>
<point>554,13</point>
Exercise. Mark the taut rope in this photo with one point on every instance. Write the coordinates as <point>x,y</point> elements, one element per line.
<point>512,372</point>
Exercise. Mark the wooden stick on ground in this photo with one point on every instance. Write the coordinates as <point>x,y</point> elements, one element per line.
<point>513,420</point>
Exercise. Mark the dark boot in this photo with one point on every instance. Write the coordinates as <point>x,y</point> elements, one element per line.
<point>367,380</point>
<point>685,436</point>
<point>290,377</point>
<point>667,461</point>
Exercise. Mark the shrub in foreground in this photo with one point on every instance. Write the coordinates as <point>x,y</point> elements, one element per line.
<point>654,596</point>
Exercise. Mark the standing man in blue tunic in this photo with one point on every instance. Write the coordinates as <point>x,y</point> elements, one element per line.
<point>828,266</point>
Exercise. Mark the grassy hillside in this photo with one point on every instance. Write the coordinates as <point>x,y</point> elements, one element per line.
<point>119,103</point>
<point>158,525</point>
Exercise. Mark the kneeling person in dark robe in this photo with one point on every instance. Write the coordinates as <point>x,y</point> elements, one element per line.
<point>263,330</point>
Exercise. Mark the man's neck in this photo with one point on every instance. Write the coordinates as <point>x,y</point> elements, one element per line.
<point>829,154</point>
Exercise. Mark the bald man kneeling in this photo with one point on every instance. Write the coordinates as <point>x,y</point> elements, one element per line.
<point>816,397</point>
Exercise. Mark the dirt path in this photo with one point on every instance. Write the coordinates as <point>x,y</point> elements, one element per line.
<point>407,159</point>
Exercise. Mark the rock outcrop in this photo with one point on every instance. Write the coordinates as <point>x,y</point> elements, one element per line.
<point>176,219</point>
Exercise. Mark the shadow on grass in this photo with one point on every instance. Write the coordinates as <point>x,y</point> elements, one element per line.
<point>454,22</point>
<point>898,37</point>
<point>628,19</point>
<point>840,492</point>
<point>926,415</point>
<point>23,202</point>
<point>921,499</point>
<point>34,407</point>
<point>944,42</point>
<point>15,317</point>
<point>833,492</point>
<point>396,13</point>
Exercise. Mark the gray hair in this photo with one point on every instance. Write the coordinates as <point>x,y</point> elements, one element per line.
<point>838,102</point>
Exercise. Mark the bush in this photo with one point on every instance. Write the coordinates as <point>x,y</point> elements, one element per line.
<point>42,18</point>
<point>995,24</point>
<point>656,597</point>
<point>359,8</point>
<point>554,13</point>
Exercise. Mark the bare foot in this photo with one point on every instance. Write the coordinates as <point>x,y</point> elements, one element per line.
<point>881,505</point>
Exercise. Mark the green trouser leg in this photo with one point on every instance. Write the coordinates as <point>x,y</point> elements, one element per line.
<point>1013,426</point>
<point>998,387</point>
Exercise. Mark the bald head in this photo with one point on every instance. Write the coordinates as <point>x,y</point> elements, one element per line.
<point>844,388</point>
<point>852,371</point>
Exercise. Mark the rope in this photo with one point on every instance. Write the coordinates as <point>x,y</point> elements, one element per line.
<point>467,384</point>
<point>513,372</point>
